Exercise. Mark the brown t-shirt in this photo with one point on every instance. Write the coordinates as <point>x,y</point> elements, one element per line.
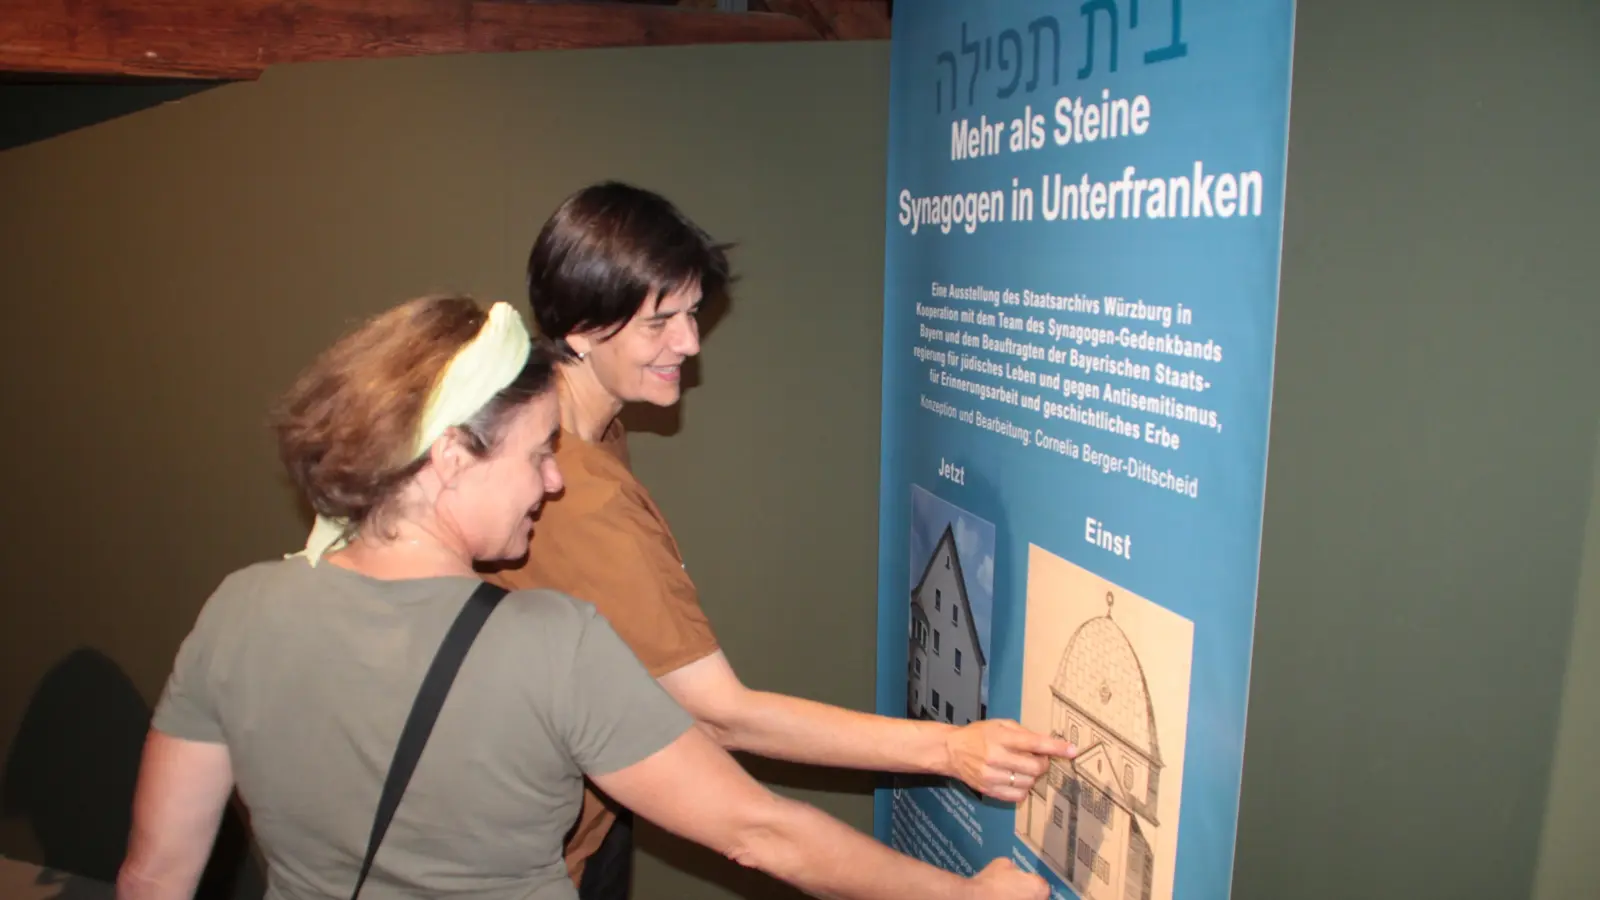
<point>602,540</point>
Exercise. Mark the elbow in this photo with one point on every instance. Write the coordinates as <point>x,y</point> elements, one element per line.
<point>135,881</point>
<point>150,873</point>
<point>767,838</point>
<point>725,721</point>
<point>719,733</point>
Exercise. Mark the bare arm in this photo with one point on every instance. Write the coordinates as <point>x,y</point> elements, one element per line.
<point>695,790</point>
<point>183,788</point>
<point>996,757</point>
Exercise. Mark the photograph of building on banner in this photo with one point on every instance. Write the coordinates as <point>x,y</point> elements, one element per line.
<point>952,605</point>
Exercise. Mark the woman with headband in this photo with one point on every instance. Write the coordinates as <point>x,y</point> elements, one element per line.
<point>616,278</point>
<point>395,724</point>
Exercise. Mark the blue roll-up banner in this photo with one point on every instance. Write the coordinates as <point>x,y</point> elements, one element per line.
<point>1084,229</point>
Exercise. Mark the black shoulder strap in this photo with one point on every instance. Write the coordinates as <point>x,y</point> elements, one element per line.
<point>425,710</point>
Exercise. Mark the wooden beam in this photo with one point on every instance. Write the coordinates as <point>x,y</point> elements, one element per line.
<point>844,20</point>
<point>238,39</point>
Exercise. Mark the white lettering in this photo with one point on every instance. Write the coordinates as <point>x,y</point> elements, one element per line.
<point>1094,532</point>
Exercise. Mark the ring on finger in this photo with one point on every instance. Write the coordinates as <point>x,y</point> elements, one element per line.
<point>1013,779</point>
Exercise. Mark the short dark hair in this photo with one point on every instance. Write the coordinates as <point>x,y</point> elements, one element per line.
<point>607,249</point>
<point>347,426</point>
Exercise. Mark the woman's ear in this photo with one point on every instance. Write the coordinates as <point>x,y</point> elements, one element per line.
<point>449,456</point>
<point>581,344</point>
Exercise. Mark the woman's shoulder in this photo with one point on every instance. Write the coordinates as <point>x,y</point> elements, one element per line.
<point>600,492</point>
<point>260,579</point>
<point>539,632</point>
<point>288,587</point>
<point>595,473</point>
<point>240,598</point>
<point>546,603</point>
<point>550,613</point>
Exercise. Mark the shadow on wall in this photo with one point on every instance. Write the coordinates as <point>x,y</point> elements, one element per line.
<point>72,770</point>
<point>61,886</point>
<point>34,108</point>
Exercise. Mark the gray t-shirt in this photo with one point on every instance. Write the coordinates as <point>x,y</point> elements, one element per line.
<point>308,674</point>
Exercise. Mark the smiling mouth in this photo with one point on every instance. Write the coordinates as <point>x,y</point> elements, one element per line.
<point>670,373</point>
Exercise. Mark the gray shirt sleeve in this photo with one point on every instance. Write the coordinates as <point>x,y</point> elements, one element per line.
<point>616,714</point>
<point>187,708</point>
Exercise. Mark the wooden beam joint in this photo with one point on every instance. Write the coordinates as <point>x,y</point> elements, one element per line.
<point>842,20</point>
<point>238,39</point>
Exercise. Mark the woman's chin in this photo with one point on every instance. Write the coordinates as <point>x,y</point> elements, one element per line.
<point>513,553</point>
<point>662,396</point>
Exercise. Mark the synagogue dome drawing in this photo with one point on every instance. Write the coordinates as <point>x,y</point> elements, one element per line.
<point>1101,676</point>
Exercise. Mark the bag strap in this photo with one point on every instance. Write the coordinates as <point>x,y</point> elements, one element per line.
<point>425,711</point>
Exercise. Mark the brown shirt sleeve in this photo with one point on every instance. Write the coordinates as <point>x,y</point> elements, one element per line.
<point>637,581</point>
<point>602,540</point>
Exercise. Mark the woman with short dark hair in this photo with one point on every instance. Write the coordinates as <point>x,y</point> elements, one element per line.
<point>396,725</point>
<point>616,278</point>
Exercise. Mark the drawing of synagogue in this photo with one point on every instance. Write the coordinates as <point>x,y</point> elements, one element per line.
<point>1092,819</point>
<point>945,665</point>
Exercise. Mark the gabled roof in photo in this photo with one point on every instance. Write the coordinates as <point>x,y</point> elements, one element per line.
<point>948,538</point>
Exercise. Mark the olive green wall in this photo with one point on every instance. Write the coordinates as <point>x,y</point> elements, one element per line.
<point>1418,727</point>
<point>1432,450</point>
<point>166,273</point>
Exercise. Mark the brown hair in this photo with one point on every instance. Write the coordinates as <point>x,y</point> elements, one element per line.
<point>347,426</point>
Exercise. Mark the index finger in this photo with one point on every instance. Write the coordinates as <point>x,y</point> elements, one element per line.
<point>1032,742</point>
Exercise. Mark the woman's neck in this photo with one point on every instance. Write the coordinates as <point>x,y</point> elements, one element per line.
<point>587,408</point>
<point>409,552</point>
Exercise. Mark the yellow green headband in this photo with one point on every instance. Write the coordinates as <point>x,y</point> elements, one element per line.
<point>480,369</point>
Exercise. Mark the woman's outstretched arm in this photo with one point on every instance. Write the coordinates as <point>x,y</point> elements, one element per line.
<point>996,757</point>
<point>693,788</point>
